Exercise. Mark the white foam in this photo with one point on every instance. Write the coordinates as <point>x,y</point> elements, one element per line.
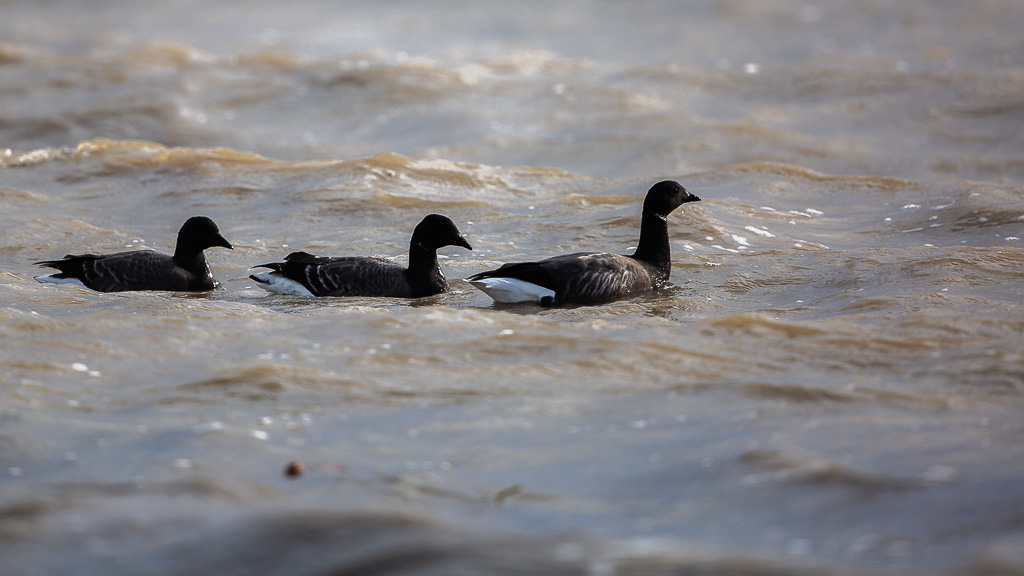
<point>511,290</point>
<point>274,282</point>
<point>759,231</point>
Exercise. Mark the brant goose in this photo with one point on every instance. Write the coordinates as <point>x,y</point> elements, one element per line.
<point>594,277</point>
<point>303,274</point>
<point>186,271</point>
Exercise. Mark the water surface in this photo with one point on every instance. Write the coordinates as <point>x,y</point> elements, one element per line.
<point>832,383</point>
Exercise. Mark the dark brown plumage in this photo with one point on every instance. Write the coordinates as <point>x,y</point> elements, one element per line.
<point>302,273</point>
<point>595,277</point>
<point>186,271</point>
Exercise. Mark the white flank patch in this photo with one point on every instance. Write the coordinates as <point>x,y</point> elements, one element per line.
<point>511,291</point>
<point>274,282</point>
<point>50,279</point>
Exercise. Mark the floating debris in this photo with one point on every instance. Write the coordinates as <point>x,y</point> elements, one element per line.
<point>294,469</point>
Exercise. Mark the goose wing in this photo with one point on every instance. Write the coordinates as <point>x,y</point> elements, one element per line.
<point>343,276</point>
<point>138,270</point>
<point>581,278</point>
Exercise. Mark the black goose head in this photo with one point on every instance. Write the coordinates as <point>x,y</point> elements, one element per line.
<point>199,233</point>
<point>666,196</point>
<point>436,231</point>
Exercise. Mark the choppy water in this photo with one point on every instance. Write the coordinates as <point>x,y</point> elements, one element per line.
<point>832,384</point>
